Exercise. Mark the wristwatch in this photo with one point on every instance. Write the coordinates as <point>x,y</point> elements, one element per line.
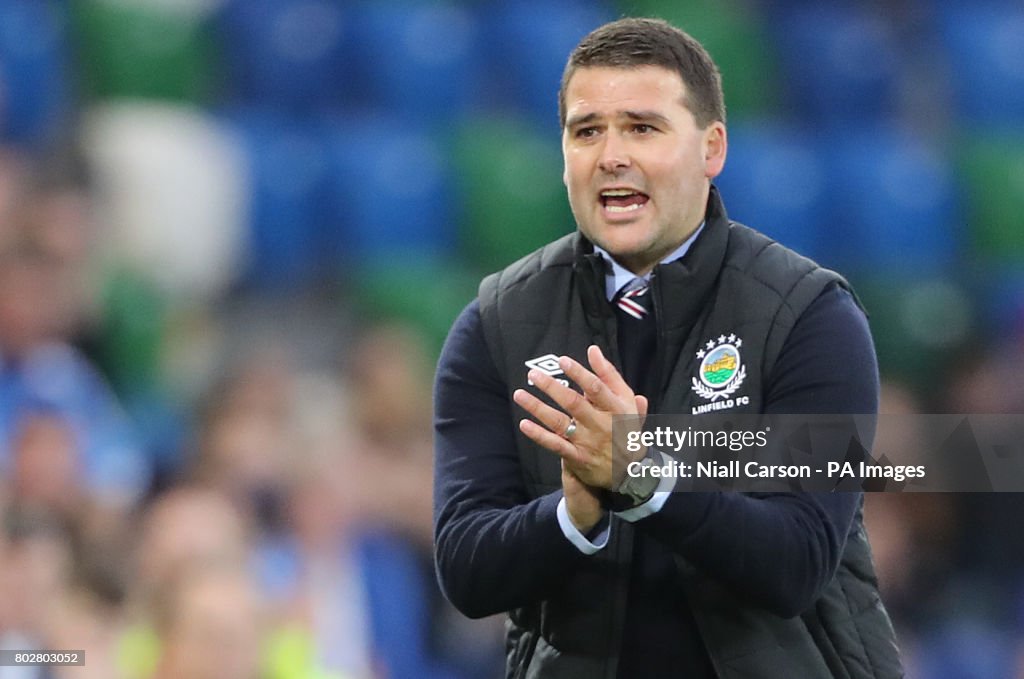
<point>638,489</point>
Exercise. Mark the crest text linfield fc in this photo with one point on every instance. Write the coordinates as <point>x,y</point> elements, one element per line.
<point>720,374</point>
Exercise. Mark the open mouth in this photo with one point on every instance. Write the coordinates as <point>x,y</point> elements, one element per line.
<point>623,200</point>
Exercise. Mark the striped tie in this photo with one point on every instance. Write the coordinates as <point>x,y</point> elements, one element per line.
<point>637,334</point>
<point>629,301</point>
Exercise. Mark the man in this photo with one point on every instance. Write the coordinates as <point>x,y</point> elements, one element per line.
<point>603,578</point>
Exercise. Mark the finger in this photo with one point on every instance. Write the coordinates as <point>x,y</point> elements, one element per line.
<point>552,418</point>
<point>570,400</point>
<point>607,371</point>
<point>596,391</point>
<point>550,440</point>
<point>641,405</point>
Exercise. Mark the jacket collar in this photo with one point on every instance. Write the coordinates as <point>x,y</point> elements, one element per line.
<point>681,286</point>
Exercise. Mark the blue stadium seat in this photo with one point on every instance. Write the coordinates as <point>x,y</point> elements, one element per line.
<point>985,49</point>
<point>966,648</point>
<point>288,167</point>
<point>839,63</point>
<point>292,54</point>
<point>33,79</point>
<point>389,192</point>
<point>430,68</point>
<point>774,180</point>
<point>529,42</point>
<point>894,202</point>
<point>1002,300</point>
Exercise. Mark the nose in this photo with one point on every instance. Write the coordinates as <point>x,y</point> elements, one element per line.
<point>614,155</point>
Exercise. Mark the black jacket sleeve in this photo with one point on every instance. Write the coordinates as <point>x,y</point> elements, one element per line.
<point>780,550</point>
<point>495,549</point>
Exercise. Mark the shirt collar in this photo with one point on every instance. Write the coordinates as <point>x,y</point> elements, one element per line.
<point>617,276</point>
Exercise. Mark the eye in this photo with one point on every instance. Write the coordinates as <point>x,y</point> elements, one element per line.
<point>586,132</point>
<point>643,128</point>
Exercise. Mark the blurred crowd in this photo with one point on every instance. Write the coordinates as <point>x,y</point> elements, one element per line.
<point>234,232</point>
<point>290,536</point>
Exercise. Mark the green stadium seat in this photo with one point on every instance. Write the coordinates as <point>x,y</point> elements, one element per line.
<point>427,293</point>
<point>737,42</point>
<point>920,325</point>
<point>512,190</point>
<point>146,50</point>
<point>992,168</point>
<point>131,332</point>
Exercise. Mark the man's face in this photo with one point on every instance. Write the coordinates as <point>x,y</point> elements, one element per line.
<point>637,166</point>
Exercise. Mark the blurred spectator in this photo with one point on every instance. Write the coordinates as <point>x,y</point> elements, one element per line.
<point>45,473</point>
<point>40,304</point>
<point>210,625</point>
<point>184,529</point>
<point>13,177</point>
<point>35,568</point>
<point>391,455</point>
<point>989,381</point>
<point>392,477</point>
<point>247,435</point>
<point>332,510</point>
<point>912,534</point>
<point>84,621</point>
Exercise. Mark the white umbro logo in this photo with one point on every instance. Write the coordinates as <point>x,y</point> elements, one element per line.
<point>548,364</point>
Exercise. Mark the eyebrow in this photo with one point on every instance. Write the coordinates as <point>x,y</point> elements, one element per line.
<point>653,116</point>
<point>646,116</point>
<point>580,120</point>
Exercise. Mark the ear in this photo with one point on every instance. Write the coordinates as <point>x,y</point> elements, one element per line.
<point>715,146</point>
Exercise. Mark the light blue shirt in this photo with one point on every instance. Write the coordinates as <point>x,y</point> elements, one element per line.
<point>616,277</point>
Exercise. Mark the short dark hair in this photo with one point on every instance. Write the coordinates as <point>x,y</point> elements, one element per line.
<point>636,42</point>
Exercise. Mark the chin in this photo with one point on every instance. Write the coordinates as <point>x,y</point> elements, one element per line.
<point>623,247</point>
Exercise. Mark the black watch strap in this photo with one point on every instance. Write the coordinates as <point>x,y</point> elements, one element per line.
<point>636,490</point>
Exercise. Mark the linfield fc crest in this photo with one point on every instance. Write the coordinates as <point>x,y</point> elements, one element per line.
<point>721,371</point>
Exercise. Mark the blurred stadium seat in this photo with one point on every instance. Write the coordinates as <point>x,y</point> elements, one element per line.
<point>512,189</point>
<point>132,48</point>
<point>969,649</point>
<point>840,64</point>
<point>171,188</point>
<point>390,191</point>
<point>736,38</point>
<point>431,67</point>
<point>985,50</point>
<point>425,292</point>
<point>131,331</point>
<point>35,88</point>
<point>528,43</point>
<point>775,180</point>
<point>992,169</point>
<point>1001,300</point>
<point>288,167</point>
<point>894,202</point>
<point>291,54</point>
<point>919,324</point>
